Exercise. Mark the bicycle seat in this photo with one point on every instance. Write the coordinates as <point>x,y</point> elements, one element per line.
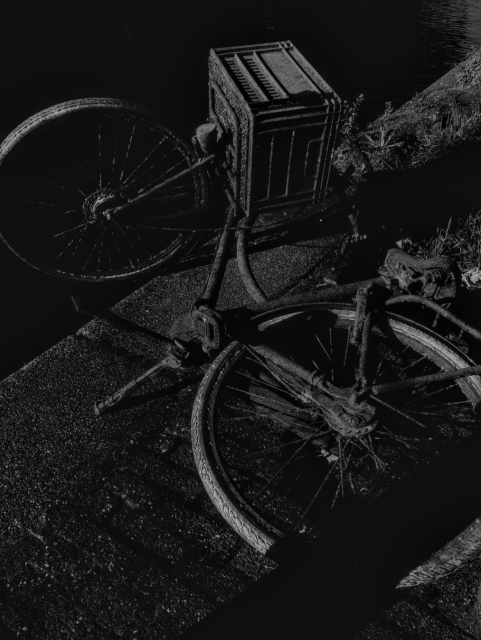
<point>436,278</point>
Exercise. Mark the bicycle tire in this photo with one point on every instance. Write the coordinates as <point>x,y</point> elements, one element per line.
<point>454,555</point>
<point>234,490</point>
<point>77,159</point>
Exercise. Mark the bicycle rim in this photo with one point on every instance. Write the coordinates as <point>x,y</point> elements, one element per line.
<point>272,464</point>
<point>64,169</point>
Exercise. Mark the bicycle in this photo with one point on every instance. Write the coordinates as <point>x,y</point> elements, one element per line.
<point>305,400</point>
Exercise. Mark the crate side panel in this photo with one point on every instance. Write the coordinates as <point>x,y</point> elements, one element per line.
<point>236,125</point>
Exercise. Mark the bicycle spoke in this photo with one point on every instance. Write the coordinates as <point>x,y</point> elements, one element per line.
<point>413,364</point>
<point>323,347</point>
<point>83,159</point>
<point>345,353</point>
<point>118,247</point>
<point>77,189</point>
<point>264,382</point>
<point>270,449</point>
<point>182,195</point>
<point>378,368</point>
<point>138,178</point>
<point>281,469</point>
<point>93,249</point>
<point>129,241</point>
<point>40,202</point>
<point>256,395</point>
<point>114,155</point>
<point>144,137</point>
<point>126,183</point>
<point>340,469</point>
<point>172,178</point>
<point>101,248</point>
<point>77,235</point>
<point>332,355</point>
<point>442,390</point>
<point>402,439</point>
<point>53,215</point>
<point>100,160</point>
<point>54,184</point>
<point>62,233</point>
<point>147,252</point>
<point>282,380</point>
<point>402,413</point>
<point>80,236</point>
<point>127,154</point>
<point>303,470</point>
<point>367,442</point>
<point>309,506</point>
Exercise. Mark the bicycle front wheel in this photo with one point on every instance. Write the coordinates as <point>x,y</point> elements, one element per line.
<point>64,170</point>
<point>271,462</point>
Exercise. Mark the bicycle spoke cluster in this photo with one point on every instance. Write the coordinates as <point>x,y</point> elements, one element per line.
<point>64,184</point>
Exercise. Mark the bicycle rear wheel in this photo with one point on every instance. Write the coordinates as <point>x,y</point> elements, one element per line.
<point>268,458</point>
<point>65,168</point>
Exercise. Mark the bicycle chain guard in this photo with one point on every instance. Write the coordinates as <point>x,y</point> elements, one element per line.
<point>436,279</point>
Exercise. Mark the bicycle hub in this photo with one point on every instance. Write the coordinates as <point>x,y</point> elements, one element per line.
<point>351,420</point>
<point>99,205</point>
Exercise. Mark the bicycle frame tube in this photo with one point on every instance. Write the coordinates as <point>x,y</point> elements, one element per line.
<point>439,309</point>
<point>324,295</point>
<point>217,270</point>
<point>162,185</point>
<point>420,380</point>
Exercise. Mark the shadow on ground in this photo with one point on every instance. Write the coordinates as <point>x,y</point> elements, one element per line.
<point>344,581</point>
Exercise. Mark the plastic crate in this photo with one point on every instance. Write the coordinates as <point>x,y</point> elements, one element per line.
<point>280,119</point>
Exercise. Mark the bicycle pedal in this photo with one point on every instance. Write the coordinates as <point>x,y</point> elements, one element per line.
<point>207,328</point>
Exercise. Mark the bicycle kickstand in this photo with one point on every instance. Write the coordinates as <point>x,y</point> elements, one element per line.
<point>174,359</point>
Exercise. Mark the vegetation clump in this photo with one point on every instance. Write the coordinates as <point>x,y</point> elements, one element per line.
<point>444,115</point>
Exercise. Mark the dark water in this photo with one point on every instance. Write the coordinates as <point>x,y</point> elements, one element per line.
<point>156,53</point>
